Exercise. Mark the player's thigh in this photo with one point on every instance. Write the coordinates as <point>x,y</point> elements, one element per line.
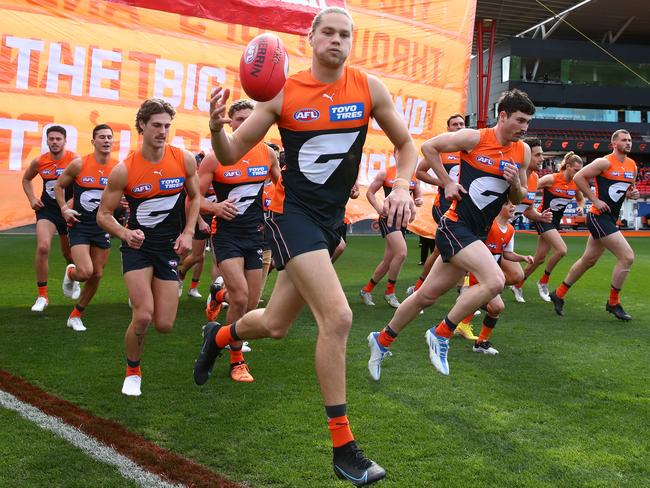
<point>254,278</point>
<point>99,257</point>
<point>313,274</point>
<point>442,278</point>
<point>165,303</point>
<point>232,270</point>
<point>81,256</point>
<point>618,246</point>
<point>284,305</point>
<point>396,242</point>
<point>138,285</point>
<point>45,230</point>
<point>554,240</point>
<point>478,260</point>
<point>512,271</point>
<point>198,248</point>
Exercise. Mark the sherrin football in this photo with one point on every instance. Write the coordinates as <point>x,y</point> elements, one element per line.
<point>263,67</point>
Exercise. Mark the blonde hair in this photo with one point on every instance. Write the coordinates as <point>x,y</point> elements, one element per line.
<point>570,158</point>
<point>330,10</point>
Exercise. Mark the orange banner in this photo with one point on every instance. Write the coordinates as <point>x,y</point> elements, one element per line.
<point>80,63</point>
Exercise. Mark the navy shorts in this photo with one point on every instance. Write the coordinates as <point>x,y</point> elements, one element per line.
<point>542,227</point>
<point>292,234</point>
<point>342,230</point>
<point>436,213</point>
<point>201,236</point>
<point>389,229</point>
<point>601,225</point>
<point>228,245</point>
<point>164,262</point>
<point>55,217</point>
<point>90,235</point>
<point>452,237</point>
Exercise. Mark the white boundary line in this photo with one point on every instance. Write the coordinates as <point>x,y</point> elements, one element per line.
<point>91,446</point>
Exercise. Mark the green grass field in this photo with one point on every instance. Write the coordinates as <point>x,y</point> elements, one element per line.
<point>566,402</point>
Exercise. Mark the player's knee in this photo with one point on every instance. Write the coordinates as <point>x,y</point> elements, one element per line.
<point>515,276</point>
<point>338,322</point>
<point>83,273</point>
<point>238,299</point>
<point>43,248</point>
<point>561,252</point>
<point>589,261</point>
<point>627,259</point>
<point>97,274</point>
<point>400,256</point>
<point>163,326</point>
<point>276,331</point>
<point>141,319</point>
<point>423,298</point>
<point>495,284</point>
<point>495,309</point>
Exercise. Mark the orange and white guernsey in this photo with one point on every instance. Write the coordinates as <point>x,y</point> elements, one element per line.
<point>451,162</point>
<point>612,184</point>
<point>389,181</point>
<point>558,196</point>
<point>529,198</point>
<point>88,187</point>
<point>243,182</point>
<point>154,191</point>
<point>50,169</point>
<point>323,128</point>
<point>481,174</point>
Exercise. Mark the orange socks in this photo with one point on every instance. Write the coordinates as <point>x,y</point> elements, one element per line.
<point>614,295</point>
<point>76,312</point>
<point>340,430</point>
<point>444,330</point>
<point>133,368</point>
<point>486,329</point>
<point>226,335</point>
<point>390,287</point>
<point>370,285</point>
<point>386,337</point>
<point>468,319</point>
<point>562,290</point>
<point>195,284</point>
<point>236,355</point>
<point>221,295</point>
<point>42,289</point>
<point>545,277</point>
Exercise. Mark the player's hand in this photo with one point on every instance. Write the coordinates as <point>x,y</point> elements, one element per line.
<point>399,208</point>
<point>579,211</point>
<point>36,204</point>
<point>183,244</point>
<point>203,225</point>
<point>454,191</point>
<point>70,215</point>
<point>529,259</point>
<point>226,210</point>
<point>354,192</point>
<point>601,206</point>
<point>418,201</point>
<point>134,238</point>
<point>218,114</point>
<point>633,193</point>
<point>125,203</point>
<point>547,216</point>
<point>510,172</point>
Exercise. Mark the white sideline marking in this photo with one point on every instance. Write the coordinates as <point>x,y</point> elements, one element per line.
<point>86,443</point>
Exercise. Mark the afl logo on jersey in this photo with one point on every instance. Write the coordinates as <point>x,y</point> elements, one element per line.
<point>88,179</point>
<point>171,183</point>
<point>141,188</point>
<point>484,160</point>
<point>46,172</point>
<point>346,111</point>
<point>306,115</point>
<point>233,173</point>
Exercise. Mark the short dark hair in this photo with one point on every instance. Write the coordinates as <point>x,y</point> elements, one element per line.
<point>56,128</point>
<point>101,127</point>
<point>515,101</point>
<point>273,146</point>
<point>618,132</point>
<point>533,142</point>
<point>238,105</point>
<point>151,107</point>
<point>455,116</point>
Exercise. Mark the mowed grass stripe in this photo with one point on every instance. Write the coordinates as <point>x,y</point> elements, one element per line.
<point>560,406</point>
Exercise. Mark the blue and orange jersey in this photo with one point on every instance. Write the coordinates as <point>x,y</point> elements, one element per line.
<point>558,196</point>
<point>612,184</point>
<point>451,162</point>
<point>499,239</point>
<point>89,185</point>
<point>481,174</point>
<point>50,169</point>
<point>323,128</point>
<point>529,199</point>
<point>243,182</point>
<point>389,180</point>
<point>154,192</point>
